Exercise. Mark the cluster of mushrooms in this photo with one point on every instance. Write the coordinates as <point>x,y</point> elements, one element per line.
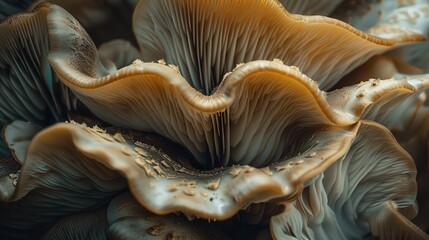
<point>214,119</point>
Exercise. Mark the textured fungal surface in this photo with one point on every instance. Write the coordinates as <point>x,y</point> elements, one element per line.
<point>214,119</point>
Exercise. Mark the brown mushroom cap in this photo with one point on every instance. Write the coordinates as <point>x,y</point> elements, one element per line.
<point>217,129</point>
<point>160,184</point>
<point>75,153</point>
<point>206,39</point>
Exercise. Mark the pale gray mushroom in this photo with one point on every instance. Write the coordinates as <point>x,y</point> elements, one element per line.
<point>366,191</point>
<point>18,136</point>
<point>29,90</point>
<point>405,14</point>
<point>87,225</point>
<point>129,220</point>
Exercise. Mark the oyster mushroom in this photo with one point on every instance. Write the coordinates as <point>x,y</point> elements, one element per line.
<point>208,121</point>
<point>85,164</point>
<point>87,225</point>
<point>351,197</point>
<point>282,150</point>
<point>28,87</point>
<point>210,37</point>
<point>414,15</point>
<point>128,220</point>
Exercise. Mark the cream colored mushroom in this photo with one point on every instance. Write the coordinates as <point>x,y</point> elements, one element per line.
<point>128,220</point>
<point>299,131</point>
<point>206,39</point>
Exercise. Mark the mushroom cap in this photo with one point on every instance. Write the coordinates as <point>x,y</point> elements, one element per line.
<point>29,90</point>
<point>413,15</point>
<point>251,106</point>
<point>129,220</point>
<point>17,136</point>
<point>27,83</point>
<point>78,162</point>
<point>159,183</point>
<point>206,39</point>
<point>356,194</point>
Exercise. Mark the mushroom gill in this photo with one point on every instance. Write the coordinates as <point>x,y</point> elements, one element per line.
<point>413,15</point>
<point>206,39</point>
<point>363,192</point>
<point>70,166</point>
<point>217,129</point>
<point>29,90</point>
<point>261,135</point>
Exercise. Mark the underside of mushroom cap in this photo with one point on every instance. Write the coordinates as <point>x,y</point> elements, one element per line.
<point>75,159</point>
<point>86,225</point>
<point>348,198</point>
<point>206,39</point>
<point>371,15</point>
<point>73,152</point>
<point>18,136</point>
<point>27,83</point>
<point>29,90</point>
<point>217,129</point>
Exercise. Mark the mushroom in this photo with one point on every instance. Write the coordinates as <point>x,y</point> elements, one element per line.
<point>28,87</point>
<point>128,220</point>
<point>87,225</point>
<point>208,121</point>
<point>218,37</point>
<point>79,162</point>
<point>98,15</point>
<point>262,135</point>
<point>350,193</point>
<point>367,15</point>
